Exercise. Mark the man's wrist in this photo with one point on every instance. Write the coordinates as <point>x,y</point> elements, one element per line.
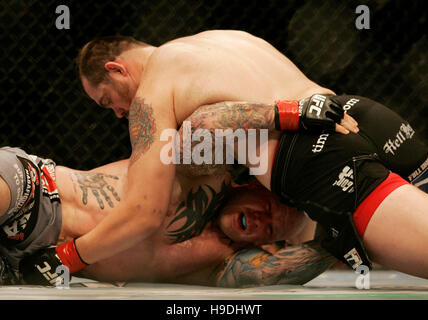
<point>70,257</point>
<point>287,115</point>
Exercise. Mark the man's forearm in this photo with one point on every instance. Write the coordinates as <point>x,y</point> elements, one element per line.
<point>234,115</point>
<point>316,113</point>
<point>292,265</point>
<point>149,187</point>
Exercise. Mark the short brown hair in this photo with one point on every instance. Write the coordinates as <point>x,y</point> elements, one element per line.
<point>94,55</point>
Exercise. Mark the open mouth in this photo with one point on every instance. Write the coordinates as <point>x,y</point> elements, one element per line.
<point>242,221</point>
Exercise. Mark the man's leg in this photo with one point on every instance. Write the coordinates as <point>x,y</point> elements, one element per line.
<point>397,233</point>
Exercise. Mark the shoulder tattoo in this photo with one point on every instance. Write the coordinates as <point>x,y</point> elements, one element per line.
<point>142,127</point>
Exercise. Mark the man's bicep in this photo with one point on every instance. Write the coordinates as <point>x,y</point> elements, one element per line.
<point>292,265</point>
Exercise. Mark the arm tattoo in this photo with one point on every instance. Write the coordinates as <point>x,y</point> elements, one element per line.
<point>234,115</point>
<point>142,127</point>
<point>291,265</point>
<point>96,182</point>
<point>196,211</point>
<point>227,116</point>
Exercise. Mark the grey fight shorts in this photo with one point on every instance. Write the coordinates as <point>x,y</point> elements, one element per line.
<point>33,219</point>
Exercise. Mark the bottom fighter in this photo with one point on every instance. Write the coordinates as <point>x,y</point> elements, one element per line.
<point>256,216</point>
<point>43,205</point>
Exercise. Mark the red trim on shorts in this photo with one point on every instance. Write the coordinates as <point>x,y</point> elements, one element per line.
<point>366,209</point>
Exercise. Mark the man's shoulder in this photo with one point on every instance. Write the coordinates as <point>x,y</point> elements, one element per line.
<point>165,61</point>
<point>173,54</point>
<point>190,50</point>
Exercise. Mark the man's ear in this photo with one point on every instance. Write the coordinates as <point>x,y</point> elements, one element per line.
<point>114,66</point>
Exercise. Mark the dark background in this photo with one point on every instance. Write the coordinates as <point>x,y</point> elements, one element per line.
<point>44,110</point>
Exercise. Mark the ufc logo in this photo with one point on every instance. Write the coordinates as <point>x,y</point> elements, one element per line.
<point>317,104</point>
<point>61,277</point>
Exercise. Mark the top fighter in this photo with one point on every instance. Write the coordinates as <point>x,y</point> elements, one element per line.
<point>158,88</point>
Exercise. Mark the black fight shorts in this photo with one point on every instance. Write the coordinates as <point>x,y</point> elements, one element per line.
<point>329,174</point>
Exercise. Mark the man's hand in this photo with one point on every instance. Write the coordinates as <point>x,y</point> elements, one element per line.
<point>348,124</point>
<point>319,112</point>
<point>41,267</point>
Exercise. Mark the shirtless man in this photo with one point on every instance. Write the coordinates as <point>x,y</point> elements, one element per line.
<point>158,88</point>
<point>58,204</point>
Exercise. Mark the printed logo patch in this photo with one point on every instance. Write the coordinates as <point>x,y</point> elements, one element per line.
<point>353,258</point>
<point>23,216</point>
<point>48,180</point>
<point>350,103</point>
<point>346,180</point>
<point>319,146</point>
<point>406,132</point>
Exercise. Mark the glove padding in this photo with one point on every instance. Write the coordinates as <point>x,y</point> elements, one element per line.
<point>40,268</point>
<point>320,112</point>
<point>7,275</point>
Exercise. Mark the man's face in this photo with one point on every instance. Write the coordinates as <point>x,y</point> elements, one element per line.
<point>113,94</point>
<point>256,216</point>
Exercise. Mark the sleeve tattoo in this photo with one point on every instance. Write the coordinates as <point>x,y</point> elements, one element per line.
<point>291,265</point>
<point>224,119</point>
<point>142,127</point>
<point>234,115</point>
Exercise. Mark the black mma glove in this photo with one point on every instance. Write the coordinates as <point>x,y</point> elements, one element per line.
<point>41,268</point>
<point>319,112</point>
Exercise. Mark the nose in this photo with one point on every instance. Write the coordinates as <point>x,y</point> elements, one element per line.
<point>261,225</point>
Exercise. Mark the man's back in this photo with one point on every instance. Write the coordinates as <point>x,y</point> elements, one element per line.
<point>217,66</point>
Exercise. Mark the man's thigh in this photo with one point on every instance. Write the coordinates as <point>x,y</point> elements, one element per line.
<point>397,233</point>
